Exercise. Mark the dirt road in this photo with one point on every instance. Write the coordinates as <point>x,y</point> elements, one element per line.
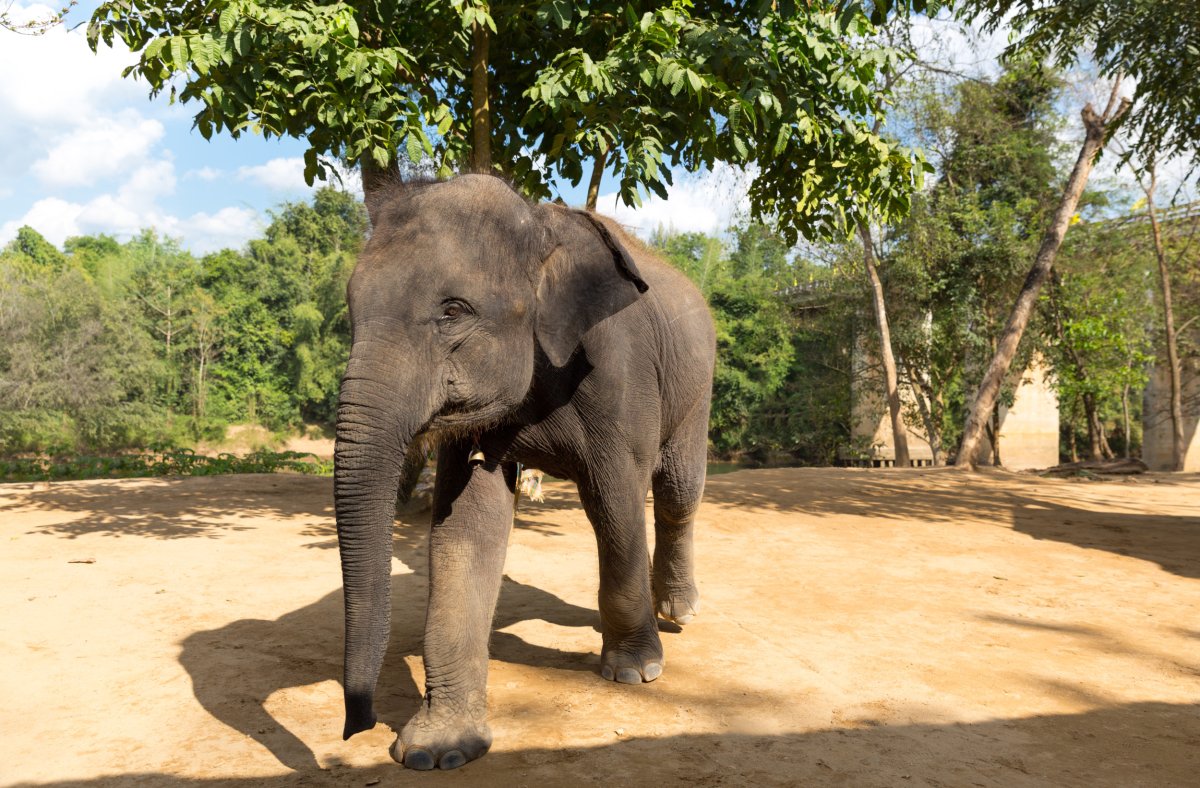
<point>858,628</point>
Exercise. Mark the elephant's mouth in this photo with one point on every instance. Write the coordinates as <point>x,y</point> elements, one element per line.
<point>464,417</point>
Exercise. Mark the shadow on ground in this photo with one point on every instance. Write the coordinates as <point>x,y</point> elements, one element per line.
<point>235,668</point>
<point>1043,509</point>
<point>1053,510</point>
<point>1134,744</point>
<point>197,506</point>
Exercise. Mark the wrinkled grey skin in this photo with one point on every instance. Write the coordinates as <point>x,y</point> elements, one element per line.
<point>556,342</point>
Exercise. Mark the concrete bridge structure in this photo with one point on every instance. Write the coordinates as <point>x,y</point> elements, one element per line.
<point>1157,432</point>
<point>1028,429</point>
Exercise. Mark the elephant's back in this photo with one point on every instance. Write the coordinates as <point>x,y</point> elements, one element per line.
<point>676,330</point>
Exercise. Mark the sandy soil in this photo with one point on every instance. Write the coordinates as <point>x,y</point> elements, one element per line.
<point>858,628</point>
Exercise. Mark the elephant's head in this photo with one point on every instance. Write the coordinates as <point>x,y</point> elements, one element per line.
<point>458,287</point>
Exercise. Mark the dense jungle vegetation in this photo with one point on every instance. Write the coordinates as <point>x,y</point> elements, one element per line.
<point>112,346</point>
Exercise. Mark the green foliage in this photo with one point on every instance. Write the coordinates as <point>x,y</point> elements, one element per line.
<point>114,346</point>
<point>954,266</point>
<point>1097,309</point>
<point>772,388</point>
<point>178,462</point>
<point>35,249</point>
<point>791,89</point>
<point>1154,43</point>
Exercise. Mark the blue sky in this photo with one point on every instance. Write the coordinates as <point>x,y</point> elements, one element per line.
<point>84,151</point>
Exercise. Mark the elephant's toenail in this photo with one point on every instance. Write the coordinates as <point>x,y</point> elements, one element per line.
<point>452,760</point>
<point>685,618</point>
<point>418,758</point>
<point>652,671</point>
<point>629,676</point>
<point>606,672</point>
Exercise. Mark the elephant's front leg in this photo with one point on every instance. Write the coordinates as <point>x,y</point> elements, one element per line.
<point>472,516</point>
<point>632,651</point>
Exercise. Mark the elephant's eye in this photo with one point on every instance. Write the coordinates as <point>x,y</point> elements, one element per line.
<point>453,309</point>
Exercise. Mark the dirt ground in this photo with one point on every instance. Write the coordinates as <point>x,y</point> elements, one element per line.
<point>858,628</point>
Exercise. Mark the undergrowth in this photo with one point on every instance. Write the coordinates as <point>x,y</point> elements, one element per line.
<point>174,462</point>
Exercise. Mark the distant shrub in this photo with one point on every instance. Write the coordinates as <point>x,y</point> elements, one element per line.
<point>171,462</point>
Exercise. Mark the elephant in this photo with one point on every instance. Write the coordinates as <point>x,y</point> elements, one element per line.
<point>502,332</point>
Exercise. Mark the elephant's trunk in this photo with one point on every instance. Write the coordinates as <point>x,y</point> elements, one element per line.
<point>373,433</point>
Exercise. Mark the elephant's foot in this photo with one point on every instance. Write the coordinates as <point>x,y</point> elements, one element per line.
<point>443,741</point>
<point>634,659</point>
<point>676,602</point>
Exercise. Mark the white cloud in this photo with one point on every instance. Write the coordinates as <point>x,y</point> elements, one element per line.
<point>207,174</point>
<point>54,218</point>
<point>707,202</point>
<point>101,148</point>
<point>83,151</point>
<point>148,182</point>
<point>281,174</point>
<point>202,232</point>
<point>286,174</point>
<point>227,228</point>
<point>55,80</point>
<point>134,206</point>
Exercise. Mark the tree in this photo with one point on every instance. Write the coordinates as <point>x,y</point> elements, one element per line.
<point>74,366</point>
<point>539,89</point>
<point>1097,328</point>
<point>1151,42</point>
<point>163,283</point>
<point>1149,185</point>
<point>952,265</point>
<point>754,334</point>
<point>36,249</point>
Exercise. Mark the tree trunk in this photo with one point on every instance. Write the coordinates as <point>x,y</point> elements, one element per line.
<point>1071,443</point>
<point>1164,277</point>
<point>593,192</point>
<point>1096,441</point>
<point>996,435</point>
<point>923,395</point>
<point>1096,127</point>
<point>899,433</point>
<point>481,117</point>
<point>1125,416</point>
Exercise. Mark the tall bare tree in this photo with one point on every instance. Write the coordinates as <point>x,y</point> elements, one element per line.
<point>890,378</point>
<point>1149,184</point>
<point>1096,129</point>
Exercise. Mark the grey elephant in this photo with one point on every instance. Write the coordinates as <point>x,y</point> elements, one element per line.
<point>507,333</point>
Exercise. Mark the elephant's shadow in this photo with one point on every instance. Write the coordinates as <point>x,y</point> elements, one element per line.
<point>234,669</point>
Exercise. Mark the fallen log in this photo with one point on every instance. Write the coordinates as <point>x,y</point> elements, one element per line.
<point>1123,467</point>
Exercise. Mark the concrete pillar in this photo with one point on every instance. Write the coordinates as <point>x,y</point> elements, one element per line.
<point>1029,429</point>
<point>870,423</point>
<point>1157,430</point>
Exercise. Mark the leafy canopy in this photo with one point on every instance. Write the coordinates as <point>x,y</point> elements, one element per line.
<point>790,89</point>
<point>1154,42</point>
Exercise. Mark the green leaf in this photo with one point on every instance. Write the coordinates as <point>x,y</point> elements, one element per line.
<point>179,53</point>
<point>413,147</point>
<point>310,166</point>
<point>228,18</point>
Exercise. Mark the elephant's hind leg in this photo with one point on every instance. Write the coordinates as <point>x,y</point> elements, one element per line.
<point>678,485</point>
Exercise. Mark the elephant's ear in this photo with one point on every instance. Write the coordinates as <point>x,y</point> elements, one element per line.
<point>588,276</point>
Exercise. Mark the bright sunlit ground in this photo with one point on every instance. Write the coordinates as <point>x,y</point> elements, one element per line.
<point>858,628</point>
